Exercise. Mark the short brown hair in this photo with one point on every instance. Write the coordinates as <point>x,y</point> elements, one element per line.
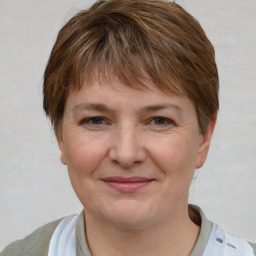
<point>137,40</point>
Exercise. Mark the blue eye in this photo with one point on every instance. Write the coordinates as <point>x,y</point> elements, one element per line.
<point>94,121</point>
<point>161,121</point>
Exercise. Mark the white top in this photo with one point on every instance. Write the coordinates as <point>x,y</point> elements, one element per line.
<point>63,241</point>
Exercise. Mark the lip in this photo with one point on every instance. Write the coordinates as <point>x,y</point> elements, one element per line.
<point>127,184</point>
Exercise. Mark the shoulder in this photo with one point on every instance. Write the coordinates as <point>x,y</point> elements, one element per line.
<point>221,241</point>
<point>213,240</point>
<point>253,245</point>
<point>35,244</point>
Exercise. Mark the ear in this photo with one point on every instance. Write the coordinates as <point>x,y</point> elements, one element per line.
<point>205,143</point>
<point>62,152</point>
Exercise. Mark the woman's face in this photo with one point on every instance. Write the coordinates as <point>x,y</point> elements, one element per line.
<point>130,153</point>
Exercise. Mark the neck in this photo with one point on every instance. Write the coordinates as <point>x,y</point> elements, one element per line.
<point>176,236</point>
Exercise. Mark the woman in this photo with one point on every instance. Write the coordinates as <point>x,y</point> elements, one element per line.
<point>131,88</point>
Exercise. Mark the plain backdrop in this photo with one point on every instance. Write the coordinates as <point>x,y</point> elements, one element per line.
<point>34,186</point>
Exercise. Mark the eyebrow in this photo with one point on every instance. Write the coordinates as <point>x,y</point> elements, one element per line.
<point>92,106</point>
<point>103,108</point>
<point>154,108</point>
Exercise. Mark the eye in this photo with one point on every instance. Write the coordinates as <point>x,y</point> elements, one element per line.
<point>161,121</point>
<point>94,121</point>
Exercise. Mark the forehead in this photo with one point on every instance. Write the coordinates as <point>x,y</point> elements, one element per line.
<point>101,77</point>
<point>102,95</point>
<point>112,76</point>
<point>112,85</point>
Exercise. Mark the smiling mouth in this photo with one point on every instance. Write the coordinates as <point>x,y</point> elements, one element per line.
<point>127,185</point>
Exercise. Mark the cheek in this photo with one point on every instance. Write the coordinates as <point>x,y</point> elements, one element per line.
<point>84,154</point>
<point>175,155</point>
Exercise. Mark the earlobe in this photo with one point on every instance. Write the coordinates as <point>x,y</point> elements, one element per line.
<point>205,143</point>
<point>62,153</point>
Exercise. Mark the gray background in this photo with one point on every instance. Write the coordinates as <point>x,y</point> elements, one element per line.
<point>34,186</point>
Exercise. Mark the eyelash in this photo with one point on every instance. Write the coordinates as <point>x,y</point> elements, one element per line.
<point>167,121</point>
<point>163,121</point>
<point>90,120</point>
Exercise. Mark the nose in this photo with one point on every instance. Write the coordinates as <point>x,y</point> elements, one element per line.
<point>127,148</point>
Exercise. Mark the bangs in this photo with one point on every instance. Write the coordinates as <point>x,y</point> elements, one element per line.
<point>112,45</point>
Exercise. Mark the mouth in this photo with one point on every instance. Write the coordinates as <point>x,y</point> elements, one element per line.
<point>127,184</point>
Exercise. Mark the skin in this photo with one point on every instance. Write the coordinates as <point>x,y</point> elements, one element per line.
<point>112,130</point>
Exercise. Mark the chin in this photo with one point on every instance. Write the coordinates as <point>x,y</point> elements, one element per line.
<point>129,214</point>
